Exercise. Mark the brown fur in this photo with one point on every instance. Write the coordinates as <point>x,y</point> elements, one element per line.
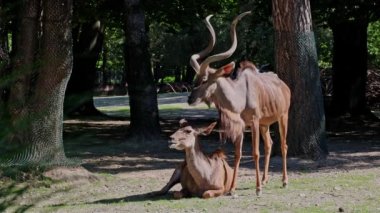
<point>200,175</point>
<point>218,154</point>
<point>231,123</point>
<point>253,99</point>
<point>257,99</point>
<point>244,65</point>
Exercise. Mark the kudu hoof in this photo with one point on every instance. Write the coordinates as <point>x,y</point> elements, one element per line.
<point>178,195</point>
<point>233,194</point>
<point>285,185</point>
<point>258,192</point>
<point>265,182</point>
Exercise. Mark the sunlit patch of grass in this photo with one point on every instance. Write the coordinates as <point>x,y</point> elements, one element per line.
<point>312,209</point>
<point>369,206</point>
<point>176,106</point>
<point>274,198</point>
<point>125,110</point>
<point>329,182</point>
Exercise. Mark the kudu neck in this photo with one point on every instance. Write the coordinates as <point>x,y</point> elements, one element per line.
<point>198,163</point>
<point>194,150</point>
<point>231,93</point>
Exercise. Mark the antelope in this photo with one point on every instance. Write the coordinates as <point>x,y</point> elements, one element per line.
<point>200,175</point>
<point>253,99</point>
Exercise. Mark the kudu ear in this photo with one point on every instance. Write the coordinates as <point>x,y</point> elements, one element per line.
<point>207,130</point>
<point>226,69</point>
<point>183,122</point>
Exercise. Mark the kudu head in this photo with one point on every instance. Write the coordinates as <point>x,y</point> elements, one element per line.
<point>186,136</point>
<point>205,78</point>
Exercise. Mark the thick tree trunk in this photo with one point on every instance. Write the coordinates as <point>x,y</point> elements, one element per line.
<point>349,67</point>
<point>80,90</point>
<point>296,64</point>
<point>24,64</point>
<point>38,126</point>
<point>25,51</point>
<point>141,87</point>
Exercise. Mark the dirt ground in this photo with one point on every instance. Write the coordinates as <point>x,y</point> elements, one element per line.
<point>119,174</point>
<point>353,164</point>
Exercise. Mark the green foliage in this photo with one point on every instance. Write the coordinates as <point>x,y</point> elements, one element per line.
<point>112,71</point>
<point>174,38</point>
<point>324,42</point>
<point>374,44</point>
<point>168,79</point>
<point>332,12</point>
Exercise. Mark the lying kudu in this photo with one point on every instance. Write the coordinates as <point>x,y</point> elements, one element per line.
<point>200,175</point>
<point>252,99</point>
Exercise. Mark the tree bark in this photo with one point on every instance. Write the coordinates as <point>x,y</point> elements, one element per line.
<point>80,90</point>
<point>189,76</point>
<point>296,64</point>
<point>349,67</point>
<point>38,126</point>
<point>4,58</point>
<point>25,51</point>
<point>141,87</point>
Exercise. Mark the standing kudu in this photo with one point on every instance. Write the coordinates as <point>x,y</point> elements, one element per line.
<point>253,99</point>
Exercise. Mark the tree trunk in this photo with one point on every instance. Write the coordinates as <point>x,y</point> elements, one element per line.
<point>25,50</point>
<point>189,76</point>
<point>296,64</point>
<point>4,58</point>
<point>141,87</point>
<point>80,90</point>
<point>349,67</point>
<point>105,74</point>
<point>38,126</point>
<point>177,74</point>
<point>24,63</point>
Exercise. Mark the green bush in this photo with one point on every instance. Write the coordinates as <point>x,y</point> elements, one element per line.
<point>374,44</point>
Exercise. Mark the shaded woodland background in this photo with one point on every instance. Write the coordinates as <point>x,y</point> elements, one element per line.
<point>141,48</point>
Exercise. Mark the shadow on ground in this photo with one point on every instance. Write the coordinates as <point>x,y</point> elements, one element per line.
<point>100,142</point>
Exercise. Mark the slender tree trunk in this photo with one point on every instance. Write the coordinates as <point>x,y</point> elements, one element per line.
<point>189,76</point>
<point>80,90</point>
<point>350,67</point>
<point>38,126</point>
<point>141,87</point>
<point>105,74</point>
<point>296,64</point>
<point>177,74</point>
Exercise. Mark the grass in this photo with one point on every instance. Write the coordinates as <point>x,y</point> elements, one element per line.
<point>175,108</point>
<point>126,109</point>
<point>354,191</point>
<point>308,191</point>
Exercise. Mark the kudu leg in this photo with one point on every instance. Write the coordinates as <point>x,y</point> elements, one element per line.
<point>256,153</point>
<point>264,131</point>
<point>238,152</point>
<point>283,126</point>
<point>174,179</point>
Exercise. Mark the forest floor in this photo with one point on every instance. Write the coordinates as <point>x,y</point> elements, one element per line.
<point>118,175</point>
